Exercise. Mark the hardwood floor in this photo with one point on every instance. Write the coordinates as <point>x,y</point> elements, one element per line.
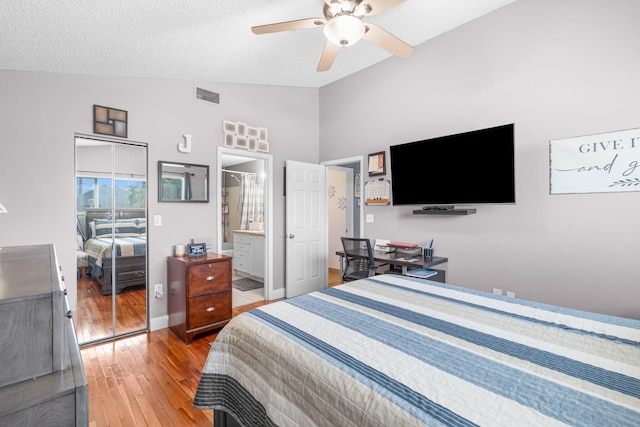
<point>334,277</point>
<point>93,318</point>
<point>150,379</point>
<point>147,379</point>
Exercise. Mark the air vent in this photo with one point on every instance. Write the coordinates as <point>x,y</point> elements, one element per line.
<point>207,95</point>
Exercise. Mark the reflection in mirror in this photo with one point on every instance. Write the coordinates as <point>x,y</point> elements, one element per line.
<point>183,182</point>
<point>111,207</point>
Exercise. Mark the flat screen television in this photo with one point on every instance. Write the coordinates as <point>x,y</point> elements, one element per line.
<point>466,168</point>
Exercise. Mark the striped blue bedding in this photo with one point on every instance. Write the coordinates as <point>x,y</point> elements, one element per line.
<point>98,248</point>
<point>398,351</point>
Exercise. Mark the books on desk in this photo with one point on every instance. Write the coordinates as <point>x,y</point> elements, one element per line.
<point>402,245</point>
<point>421,273</point>
<point>383,246</point>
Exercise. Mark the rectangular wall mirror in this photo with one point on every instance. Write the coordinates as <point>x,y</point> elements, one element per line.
<point>183,182</point>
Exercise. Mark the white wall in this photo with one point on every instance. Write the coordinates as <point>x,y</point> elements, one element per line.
<point>555,68</point>
<point>40,112</point>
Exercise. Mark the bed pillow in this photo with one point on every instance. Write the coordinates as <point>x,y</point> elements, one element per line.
<point>124,228</point>
<point>142,227</point>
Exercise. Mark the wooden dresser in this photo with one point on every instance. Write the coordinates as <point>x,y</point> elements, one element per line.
<point>199,294</point>
<point>42,379</point>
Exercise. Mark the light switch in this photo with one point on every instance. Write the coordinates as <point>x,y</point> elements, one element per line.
<point>157,220</point>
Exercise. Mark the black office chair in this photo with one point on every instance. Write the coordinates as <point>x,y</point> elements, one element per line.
<point>358,259</point>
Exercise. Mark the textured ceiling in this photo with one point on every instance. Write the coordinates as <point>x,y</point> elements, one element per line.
<point>204,40</point>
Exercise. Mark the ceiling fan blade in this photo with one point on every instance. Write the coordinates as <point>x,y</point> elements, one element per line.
<point>298,24</point>
<point>374,7</point>
<point>387,41</point>
<point>328,56</point>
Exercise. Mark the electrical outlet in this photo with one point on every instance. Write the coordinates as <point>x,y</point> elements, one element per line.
<point>158,290</point>
<point>497,291</point>
<point>369,217</point>
<point>511,294</point>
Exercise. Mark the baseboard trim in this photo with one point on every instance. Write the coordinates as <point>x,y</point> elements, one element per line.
<point>276,294</point>
<point>157,323</point>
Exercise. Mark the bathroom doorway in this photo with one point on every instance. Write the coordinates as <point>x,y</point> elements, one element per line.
<point>245,224</point>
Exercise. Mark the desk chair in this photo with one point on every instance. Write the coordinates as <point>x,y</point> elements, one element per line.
<point>358,258</point>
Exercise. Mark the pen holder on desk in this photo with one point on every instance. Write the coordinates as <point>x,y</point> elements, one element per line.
<point>428,253</point>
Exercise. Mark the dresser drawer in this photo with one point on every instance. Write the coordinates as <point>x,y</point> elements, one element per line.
<point>239,238</point>
<point>131,275</point>
<point>207,309</point>
<point>32,313</point>
<point>242,247</point>
<point>241,261</point>
<point>207,278</point>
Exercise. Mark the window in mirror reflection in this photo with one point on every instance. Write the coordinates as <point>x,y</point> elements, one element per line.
<point>183,182</point>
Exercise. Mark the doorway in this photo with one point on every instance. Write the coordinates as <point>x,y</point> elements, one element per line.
<point>111,236</point>
<point>245,223</point>
<point>344,208</point>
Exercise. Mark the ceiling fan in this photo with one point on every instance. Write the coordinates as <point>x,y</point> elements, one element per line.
<point>343,26</point>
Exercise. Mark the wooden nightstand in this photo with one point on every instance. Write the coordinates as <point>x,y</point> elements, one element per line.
<point>199,292</point>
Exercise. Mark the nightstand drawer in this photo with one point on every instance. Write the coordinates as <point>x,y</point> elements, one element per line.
<point>199,294</point>
<point>208,309</point>
<point>207,278</point>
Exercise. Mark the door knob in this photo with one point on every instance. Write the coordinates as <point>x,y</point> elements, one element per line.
<point>291,236</point>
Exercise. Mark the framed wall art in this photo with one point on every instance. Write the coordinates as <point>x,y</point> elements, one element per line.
<point>110,121</point>
<point>377,164</point>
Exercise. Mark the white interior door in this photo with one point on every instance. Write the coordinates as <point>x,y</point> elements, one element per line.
<point>306,228</point>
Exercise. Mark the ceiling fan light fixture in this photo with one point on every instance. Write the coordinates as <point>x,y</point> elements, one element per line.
<point>334,8</point>
<point>344,30</point>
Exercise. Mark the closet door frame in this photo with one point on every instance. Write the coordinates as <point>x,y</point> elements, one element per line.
<point>140,171</point>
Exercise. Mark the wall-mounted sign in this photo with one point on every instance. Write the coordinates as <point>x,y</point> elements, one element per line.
<point>602,163</point>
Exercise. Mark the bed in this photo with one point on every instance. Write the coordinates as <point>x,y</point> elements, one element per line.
<point>391,350</point>
<point>130,240</point>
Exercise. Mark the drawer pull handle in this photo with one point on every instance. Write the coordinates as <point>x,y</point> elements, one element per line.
<point>210,309</point>
<point>210,278</point>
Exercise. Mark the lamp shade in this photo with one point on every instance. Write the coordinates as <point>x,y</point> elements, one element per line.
<point>344,30</point>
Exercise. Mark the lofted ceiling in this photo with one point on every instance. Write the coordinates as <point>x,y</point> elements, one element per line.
<point>205,40</point>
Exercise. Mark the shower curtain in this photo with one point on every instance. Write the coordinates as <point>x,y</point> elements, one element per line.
<point>252,199</point>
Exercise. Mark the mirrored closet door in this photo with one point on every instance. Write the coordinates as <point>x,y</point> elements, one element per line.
<point>111,236</point>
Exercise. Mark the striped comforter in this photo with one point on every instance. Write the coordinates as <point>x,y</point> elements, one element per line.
<point>396,351</point>
<point>98,248</point>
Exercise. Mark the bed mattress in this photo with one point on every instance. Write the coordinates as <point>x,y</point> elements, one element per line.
<point>391,350</point>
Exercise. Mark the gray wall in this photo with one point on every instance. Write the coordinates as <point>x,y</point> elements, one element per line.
<point>40,112</point>
<point>554,68</point>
